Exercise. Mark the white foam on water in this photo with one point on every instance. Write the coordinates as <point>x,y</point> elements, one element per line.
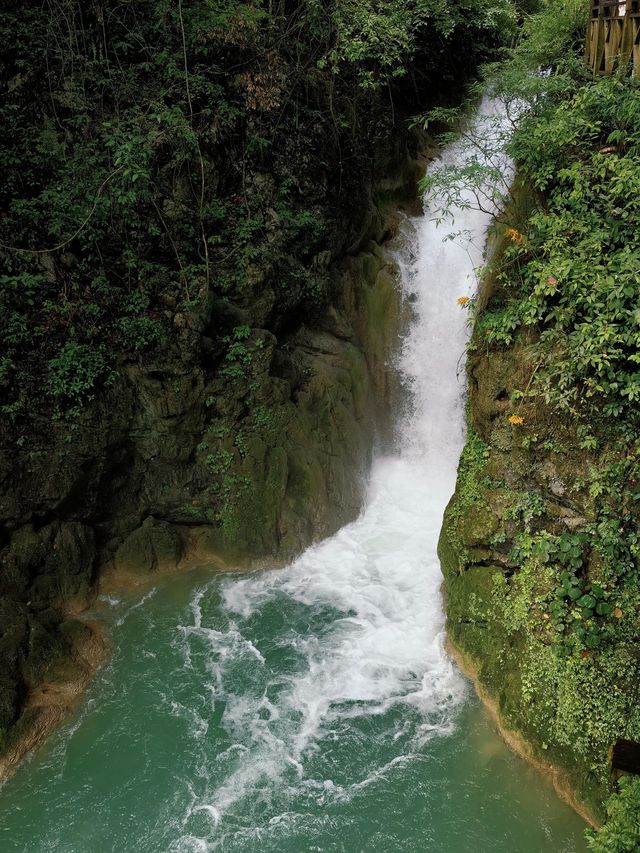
<point>111,600</point>
<point>378,578</point>
<point>146,597</point>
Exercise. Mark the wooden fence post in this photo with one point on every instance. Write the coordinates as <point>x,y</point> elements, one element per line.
<point>613,36</point>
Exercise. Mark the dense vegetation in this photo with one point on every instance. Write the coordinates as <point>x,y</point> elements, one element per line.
<point>166,162</point>
<point>563,611</point>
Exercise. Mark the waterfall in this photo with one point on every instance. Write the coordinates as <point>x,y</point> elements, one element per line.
<point>372,638</point>
<point>311,709</point>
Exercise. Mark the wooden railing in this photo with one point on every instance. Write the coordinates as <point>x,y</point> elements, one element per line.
<point>613,36</point>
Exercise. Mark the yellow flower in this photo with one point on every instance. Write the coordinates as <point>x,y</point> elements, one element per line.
<point>463,300</point>
<point>516,420</point>
<point>514,235</point>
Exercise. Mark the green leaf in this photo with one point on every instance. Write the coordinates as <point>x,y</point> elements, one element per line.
<point>593,640</point>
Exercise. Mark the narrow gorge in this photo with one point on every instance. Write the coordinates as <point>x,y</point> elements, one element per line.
<point>318,376</point>
<point>294,706</point>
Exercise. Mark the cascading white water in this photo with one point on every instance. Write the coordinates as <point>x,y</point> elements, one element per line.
<point>378,578</point>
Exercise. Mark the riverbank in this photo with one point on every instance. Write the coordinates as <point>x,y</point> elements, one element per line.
<point>516,742</point>
<point>49,703</point>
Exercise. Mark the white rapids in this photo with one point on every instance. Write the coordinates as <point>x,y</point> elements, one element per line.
<point>379,578</point>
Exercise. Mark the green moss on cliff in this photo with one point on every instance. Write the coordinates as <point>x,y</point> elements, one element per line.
<point>540,542</point>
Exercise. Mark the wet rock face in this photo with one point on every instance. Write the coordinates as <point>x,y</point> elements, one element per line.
<point>267,452</point>
<point>240,455</point>
<point>156,545</point>
<point>48,566</point>
<point>247,462</point>
<point>43,570</point>
<point>13,636</point>
<point>284,451</point>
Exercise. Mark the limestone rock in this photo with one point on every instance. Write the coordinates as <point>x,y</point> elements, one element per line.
<point>155,545</point>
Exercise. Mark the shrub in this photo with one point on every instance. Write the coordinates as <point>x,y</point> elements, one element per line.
<point>76,372</point>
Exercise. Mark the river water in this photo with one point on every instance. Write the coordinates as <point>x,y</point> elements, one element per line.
<point>311,708</point>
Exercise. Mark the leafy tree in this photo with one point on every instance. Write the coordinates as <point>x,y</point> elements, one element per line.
<point>160,159</point>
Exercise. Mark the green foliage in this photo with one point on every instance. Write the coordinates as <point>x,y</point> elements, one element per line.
<point>621,833</point>
<point>376,36</point>
<point>481,180</point>
<point>576,278</point>
<point>74,373</point>
<point>160,163</point>
<point>526,507</point>
<point>243,353</point>
<point>579,608</point>
<point>565,285</point>
<point>140,333</point>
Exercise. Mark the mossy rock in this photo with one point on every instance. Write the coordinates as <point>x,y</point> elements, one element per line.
<point>477,525</point>
<point>63,670</point>
<point>48,565</point>
<point>448,548</point>
<point>156,545</point>
<point>75,633</point>
<point>470,609</point>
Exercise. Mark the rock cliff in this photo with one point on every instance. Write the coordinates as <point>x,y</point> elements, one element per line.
<point>191,459</point>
